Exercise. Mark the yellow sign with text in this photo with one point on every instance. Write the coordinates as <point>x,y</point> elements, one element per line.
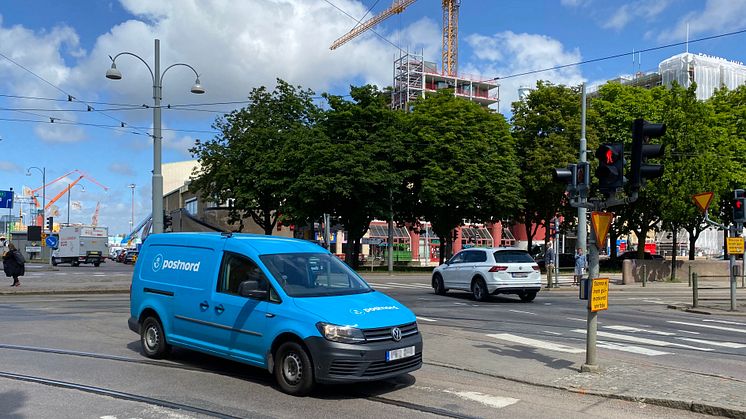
<point>735,245</point>
<point>599,299</point>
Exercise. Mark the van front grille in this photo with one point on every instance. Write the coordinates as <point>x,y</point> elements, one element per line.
<point>384,333</point>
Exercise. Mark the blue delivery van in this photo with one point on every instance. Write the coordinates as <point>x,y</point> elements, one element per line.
<point>282,304</point>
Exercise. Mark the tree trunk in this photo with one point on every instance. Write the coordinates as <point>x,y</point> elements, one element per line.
<point>641,240</point>
<point>675,250</point>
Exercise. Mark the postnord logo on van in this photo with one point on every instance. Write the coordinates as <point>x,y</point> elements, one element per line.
<point>159,262</point>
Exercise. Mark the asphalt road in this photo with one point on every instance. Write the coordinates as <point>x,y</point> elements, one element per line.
<point>78,340</point>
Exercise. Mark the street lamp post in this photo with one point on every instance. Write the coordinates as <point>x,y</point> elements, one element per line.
<point>69,188</point>
<point>132,219</point>
<point>43,171</point>
<point>114,74</point>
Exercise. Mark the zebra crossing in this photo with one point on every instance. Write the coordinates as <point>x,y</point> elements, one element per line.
<point>399,285</point>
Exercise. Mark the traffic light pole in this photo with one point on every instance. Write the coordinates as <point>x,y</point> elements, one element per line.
<point>592,324</point>
<point>735,232</point>
<point>582,218</point>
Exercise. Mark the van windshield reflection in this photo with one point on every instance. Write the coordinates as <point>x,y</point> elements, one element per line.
<point>314,275</point>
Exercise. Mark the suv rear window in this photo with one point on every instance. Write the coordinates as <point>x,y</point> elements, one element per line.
<point>513,256</point>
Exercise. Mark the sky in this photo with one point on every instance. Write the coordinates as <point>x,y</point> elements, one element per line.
<point>52,51</point>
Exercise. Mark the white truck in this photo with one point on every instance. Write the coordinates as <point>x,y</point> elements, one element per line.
<point>81,244</point>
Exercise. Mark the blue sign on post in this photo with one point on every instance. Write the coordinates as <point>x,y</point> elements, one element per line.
<point>6,199</point>
<point>52,241</point>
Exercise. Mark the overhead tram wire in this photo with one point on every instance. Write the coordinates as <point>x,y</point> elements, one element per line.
<point>70,97</point>
<point>625,54</point>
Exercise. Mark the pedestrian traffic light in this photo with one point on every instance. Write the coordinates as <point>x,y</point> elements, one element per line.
<point>50,224</point>
<point>610,171</point>
<point>568,175</point>
<point>739,206</point>
<point>642,132</point>
<point>583,178</point>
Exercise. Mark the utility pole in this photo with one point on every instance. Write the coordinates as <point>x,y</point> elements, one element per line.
<point>591,364</point>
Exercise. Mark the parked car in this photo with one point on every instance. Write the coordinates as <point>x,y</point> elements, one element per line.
<point>489,271</point>
<point>130,257</point>
<point>566,260</point>
<point>120,256</point>
<point>632,254</point>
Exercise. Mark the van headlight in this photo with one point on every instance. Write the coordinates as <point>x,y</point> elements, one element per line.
<point>343,334</point>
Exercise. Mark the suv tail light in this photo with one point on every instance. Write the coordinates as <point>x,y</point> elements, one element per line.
<point>498,268</point>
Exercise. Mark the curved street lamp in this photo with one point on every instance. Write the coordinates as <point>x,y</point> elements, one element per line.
<point>43,171</point>
<point>113,73</point>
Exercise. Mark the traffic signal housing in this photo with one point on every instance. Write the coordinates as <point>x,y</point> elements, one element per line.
<point>739,206</point>
<point>50,224</point>
<point>167,220</point>
<point>610,171</point>
<point>568,175</point>
<point>642,132</point>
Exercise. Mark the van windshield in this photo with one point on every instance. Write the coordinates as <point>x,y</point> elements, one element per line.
<point>314,275</point>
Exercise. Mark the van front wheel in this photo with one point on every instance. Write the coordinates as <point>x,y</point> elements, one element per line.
<point>293,369</point>
<point>153,339</point>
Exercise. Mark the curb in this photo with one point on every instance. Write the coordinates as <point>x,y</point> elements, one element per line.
<point>67,291</point>
<point>705,310</point>
<point>691,406</point>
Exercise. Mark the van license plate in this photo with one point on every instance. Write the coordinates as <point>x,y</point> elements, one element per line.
<point>400,353</point>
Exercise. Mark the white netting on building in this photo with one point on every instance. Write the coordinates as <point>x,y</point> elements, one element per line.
<point>708,72</point>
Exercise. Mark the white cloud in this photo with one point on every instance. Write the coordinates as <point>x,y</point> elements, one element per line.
<point>717,16</point>
<point>8,166</point>
<point>641,9</point>
<point>575,3</point>
<point>527,53</point>
<point>122,169</point>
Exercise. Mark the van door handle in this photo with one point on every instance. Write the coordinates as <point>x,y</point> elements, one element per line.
<point>203,305</point>
<point>269,315</point>
<point>219,309</point>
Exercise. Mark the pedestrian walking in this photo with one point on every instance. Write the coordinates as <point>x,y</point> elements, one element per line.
<point>14,264</point>
<point>549,263</point>
<point>581,263</point>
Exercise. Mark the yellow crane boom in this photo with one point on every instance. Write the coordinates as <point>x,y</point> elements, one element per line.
<point>397,7</point>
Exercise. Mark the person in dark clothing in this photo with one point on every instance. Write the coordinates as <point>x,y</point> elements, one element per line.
<point>14,264</point>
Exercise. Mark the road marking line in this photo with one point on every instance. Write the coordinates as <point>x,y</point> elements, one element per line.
<point>724,322</point>
<point>547,304</point>
<point>687,331</point>
<point>523,312</point>
<point>709,342</point>
<point>410,285</point>
<point>497,402</point>
<point>654,301</point>
<point>644,340</point>
<point>426,319</point>
<point>553,333</point>
<point>635,329</point>
<point>576,319</point>
<point>536,343</point>
<point>460,304</point>
<point>380,287</point>
<point>631,348</point>
<point>708,326</point>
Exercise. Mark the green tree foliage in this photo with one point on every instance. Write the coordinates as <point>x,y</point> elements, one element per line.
<point>546,127</point>
<point>467,164</point>
<point>352,170</point>
<point>249,164</point>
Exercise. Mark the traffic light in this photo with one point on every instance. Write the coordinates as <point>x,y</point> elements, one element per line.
<point>50,224</point>
<point>583,178</point>
<point>568,175</point>
<point>167,220</point>
<point>642,132</point>
<point>610,171</point>
<point>739,206</point>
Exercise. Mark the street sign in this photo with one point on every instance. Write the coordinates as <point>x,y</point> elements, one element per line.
<point>735,245</point>
<point>599,299</point>
<point>43,239</point>
<point>33,249</point>
<point>371,240</point>
<point>6,199</point>
<point>702,200</point>
<point>601,221</point>
<point>51,241</point>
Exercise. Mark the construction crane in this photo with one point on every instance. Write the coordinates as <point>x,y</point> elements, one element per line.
<point>450,30</point>
<point>81,176</point>
<point>94,220</point>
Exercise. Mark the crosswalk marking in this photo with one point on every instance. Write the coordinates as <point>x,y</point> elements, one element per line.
<point>426,319</point>
<point>497,402</point>
<point>644,340</point>
<point>709,342</point>
<point>687,331</point>
<point>536,343</point>
<point>635,329</point>
<point>708,326</point>
<point>523,312</point>
<point>631,348</point>
<point>409,285</point>
<point>553,333</point>
<point>724,322</point>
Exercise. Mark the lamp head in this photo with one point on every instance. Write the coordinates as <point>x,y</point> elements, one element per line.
<point>197,88</point>
<point>113,73</point>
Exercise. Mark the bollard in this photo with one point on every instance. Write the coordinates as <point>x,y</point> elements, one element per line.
<point>695,291</point>
<point>644,274</point>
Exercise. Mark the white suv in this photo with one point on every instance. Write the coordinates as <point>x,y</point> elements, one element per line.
<point>485,271</point>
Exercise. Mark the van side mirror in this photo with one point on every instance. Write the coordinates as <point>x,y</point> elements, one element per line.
<point>251,289</point>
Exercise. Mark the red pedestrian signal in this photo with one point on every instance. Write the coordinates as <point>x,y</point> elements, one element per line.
<point>610,171</point>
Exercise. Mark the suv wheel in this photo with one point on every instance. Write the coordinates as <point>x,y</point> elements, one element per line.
<point>527,297</point>
<point>438,285</point>
<point>479,290</point>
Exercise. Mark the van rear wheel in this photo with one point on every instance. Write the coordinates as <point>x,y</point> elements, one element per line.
<point>293,369</point>
<point>153,339</point>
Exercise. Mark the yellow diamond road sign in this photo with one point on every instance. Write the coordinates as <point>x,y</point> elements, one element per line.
<point>702,200</point>
<point>601,221</point>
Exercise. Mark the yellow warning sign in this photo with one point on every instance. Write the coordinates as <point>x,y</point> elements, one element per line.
<point>601,221</point>
<point>735,245</point>
<point>599,299</point>
<point>702,200</point>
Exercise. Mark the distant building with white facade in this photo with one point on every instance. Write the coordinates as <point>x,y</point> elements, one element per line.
<point>708,72</point>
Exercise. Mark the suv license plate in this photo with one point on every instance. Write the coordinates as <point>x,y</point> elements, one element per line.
<point>400,353</point>
<point>520,274</point>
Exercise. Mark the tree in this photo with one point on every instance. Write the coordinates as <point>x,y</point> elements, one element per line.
<point>546,127</point>
<point>351,169</point>
<point>248,164</point>
<point>467,164</point>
